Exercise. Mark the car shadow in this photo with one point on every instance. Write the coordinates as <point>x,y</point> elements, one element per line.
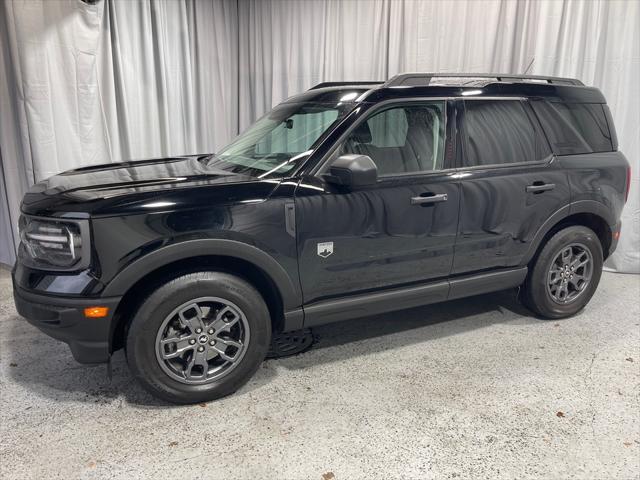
<point>388,331</point>
<point>46,367</point>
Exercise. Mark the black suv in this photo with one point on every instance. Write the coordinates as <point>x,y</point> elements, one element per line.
<point>347,200</point>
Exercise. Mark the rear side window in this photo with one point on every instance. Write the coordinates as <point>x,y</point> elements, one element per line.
<point>501,132</point>
<point>574,128</point>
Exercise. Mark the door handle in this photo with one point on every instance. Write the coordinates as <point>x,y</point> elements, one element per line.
<point>539,187</point>
<point>429,199</point>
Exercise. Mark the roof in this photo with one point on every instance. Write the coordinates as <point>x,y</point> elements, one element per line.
<point>418,79</point>
<point>471,79</point>
<point>409,85</point>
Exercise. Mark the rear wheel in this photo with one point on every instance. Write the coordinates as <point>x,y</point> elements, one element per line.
<point>199,337</point>
<point>566,274</point>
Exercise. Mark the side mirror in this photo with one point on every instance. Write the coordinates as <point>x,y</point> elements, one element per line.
<point>352,171</point>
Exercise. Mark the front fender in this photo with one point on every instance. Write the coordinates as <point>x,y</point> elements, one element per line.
<point>167,254</point>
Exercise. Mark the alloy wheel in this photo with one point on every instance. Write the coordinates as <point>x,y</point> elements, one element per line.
<point>570,273</point>
<point>202,340</point>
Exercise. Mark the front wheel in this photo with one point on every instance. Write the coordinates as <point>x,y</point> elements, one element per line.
<point>199,337</point>
<point>566,274</point>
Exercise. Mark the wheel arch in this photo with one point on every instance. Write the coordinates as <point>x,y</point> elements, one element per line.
<point>139,279</point>
<point>587,213</point>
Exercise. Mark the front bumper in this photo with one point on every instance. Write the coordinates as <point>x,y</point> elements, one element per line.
<point>63,319</point>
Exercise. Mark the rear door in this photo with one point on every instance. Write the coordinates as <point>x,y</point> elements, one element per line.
<point>510,183</point>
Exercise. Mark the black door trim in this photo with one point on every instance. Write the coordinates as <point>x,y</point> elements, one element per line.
<point>363,305</point>
<point>486,282</point>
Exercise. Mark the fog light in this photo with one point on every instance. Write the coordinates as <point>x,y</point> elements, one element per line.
<point>96,312</point>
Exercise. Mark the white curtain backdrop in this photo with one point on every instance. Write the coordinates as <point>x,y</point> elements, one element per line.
<point>122,79</point>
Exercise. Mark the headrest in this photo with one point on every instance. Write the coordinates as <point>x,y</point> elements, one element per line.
<point>362,133</point>
<point>420,118</point>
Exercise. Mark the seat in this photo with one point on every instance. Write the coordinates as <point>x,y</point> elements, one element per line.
<point>419,145</point>
<point>386,160</point>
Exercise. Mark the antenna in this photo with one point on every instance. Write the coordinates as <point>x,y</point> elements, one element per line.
<point>530,64</point>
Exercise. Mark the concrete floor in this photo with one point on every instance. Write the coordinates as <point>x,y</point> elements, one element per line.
<point>468,389</point>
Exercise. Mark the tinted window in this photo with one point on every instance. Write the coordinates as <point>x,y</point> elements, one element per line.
<point>499,132</point>
<point>574,127</point>
<point>408,138</point>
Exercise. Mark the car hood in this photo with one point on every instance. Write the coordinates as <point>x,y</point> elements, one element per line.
<point>144,185</point>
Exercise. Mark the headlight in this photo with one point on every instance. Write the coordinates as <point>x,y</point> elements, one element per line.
<point>53,243</point>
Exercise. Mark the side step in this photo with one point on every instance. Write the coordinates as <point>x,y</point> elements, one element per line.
<point>334,310</point>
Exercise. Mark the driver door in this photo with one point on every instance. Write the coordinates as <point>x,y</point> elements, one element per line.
<point>398,232</point>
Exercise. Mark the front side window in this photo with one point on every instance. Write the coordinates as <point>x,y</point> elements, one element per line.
<point>500,132</point>
<point>279,141</point>
<point>401,139</point>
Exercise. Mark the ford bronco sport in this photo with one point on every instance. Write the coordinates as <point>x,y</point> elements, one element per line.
<point>347,200</point>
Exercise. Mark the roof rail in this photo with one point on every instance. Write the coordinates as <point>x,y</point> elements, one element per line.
<point>344,84</point>
<point>423,79</point>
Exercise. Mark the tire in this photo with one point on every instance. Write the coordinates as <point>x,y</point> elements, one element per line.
<point>546,300</point>
<point>224,304</point>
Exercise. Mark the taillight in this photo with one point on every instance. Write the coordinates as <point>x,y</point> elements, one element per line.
<point>626,193</point>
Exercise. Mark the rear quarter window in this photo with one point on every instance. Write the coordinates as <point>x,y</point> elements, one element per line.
<point>574,128</point>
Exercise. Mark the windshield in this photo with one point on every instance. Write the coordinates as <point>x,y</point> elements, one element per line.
<point>279,141</point>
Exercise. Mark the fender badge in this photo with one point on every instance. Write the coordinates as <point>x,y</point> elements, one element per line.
<point>325,249</point>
